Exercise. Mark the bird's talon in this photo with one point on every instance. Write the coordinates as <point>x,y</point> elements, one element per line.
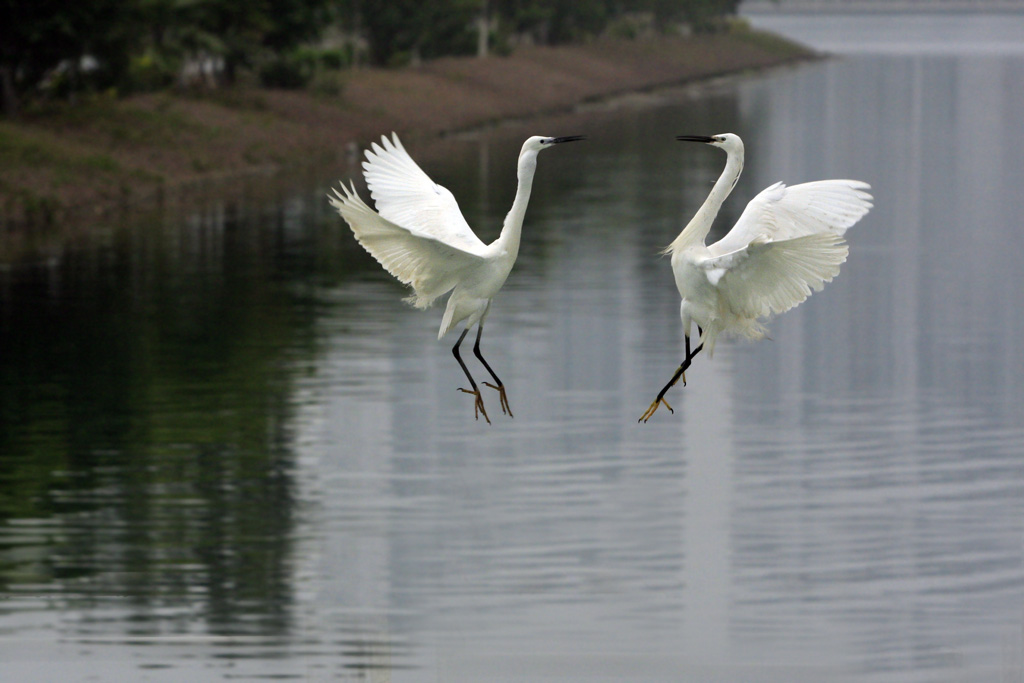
<point>654,407</point>
<point>478,404</point>
<point>505,408</point>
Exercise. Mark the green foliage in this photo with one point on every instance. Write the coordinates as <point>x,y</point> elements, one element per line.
<point>556,21</point>
<point>246,31</point>
<point>561,21</point>
<point>55,49</point>
<point>290,71</point>
<point>631,27</point>
<point>403,31</point>
<point>707,16</point>
<point>152,70</point>
<point>334,59</point>
<point>305,67</point>
<point>44,45</point>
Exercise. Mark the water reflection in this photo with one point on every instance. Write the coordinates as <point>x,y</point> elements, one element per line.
<point>145,433</point>
<point>230,451</point>
<point>898,507</point>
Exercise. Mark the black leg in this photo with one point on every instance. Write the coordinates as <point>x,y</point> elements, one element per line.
<point>497,382</point>
<point>478,405</point>
<point>680,372</point>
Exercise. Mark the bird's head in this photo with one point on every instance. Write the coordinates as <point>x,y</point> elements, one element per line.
<point>729,142</point>
<point>539,142</point>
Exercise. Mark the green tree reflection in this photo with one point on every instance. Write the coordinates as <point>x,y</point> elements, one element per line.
<point>145,408</point>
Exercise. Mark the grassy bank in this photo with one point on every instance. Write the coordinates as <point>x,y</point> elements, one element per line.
<point>66,161</point>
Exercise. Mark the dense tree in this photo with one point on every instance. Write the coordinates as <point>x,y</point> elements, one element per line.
<point>50,38</point>
<point>560,21</point>
<point>556,21</point>
<point>405,30</point>
<point>63,47</point>
<point>245,31</point>
<point>702,15</point>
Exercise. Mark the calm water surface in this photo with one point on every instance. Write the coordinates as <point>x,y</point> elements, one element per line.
<point>228,451</point>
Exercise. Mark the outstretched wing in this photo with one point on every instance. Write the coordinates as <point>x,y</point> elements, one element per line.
<point>430,265</point>
<point>770,277</point>
<point>406,196</point>
<point>780,213</point>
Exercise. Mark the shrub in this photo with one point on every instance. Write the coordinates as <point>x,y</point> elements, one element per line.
<point>290,71</point>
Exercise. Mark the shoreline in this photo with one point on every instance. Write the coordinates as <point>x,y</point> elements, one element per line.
<point>107,157</point>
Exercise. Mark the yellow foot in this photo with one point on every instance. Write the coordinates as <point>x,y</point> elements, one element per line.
<point>653,407</point>
<point>504,399</point>
<point>478,406</point>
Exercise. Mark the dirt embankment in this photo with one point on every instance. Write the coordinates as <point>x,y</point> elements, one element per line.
<point>107,152</point>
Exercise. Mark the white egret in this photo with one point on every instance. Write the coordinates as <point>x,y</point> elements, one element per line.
<point>420,236</point>
<point>787,242</point>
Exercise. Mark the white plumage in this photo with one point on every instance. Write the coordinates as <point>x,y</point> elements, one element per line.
<point>787,243</point>
<point>420,236</point>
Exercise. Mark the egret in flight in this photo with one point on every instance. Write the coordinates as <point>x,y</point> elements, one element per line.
<point>419,235</point>
<point>787,242</point>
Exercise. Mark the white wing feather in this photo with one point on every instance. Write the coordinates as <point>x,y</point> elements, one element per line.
<point>780,213</point>
<point>770,277</point>
<point>405,195</point>
<point>417,258</point>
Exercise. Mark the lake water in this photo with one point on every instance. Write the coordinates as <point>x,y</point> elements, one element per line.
<point>228,451</point>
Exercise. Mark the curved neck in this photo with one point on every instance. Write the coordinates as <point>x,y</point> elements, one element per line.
<point>700,225</point>
<point>511,230</point>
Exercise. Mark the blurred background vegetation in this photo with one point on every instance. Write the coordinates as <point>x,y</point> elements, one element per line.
<point>55,50</point>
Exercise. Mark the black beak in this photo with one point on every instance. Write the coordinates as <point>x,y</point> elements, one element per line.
<point>694,138</point>
<point>568,138</point>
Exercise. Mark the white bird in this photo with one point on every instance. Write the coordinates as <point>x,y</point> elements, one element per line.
<point>787,242</point>
<point>420,236</point>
